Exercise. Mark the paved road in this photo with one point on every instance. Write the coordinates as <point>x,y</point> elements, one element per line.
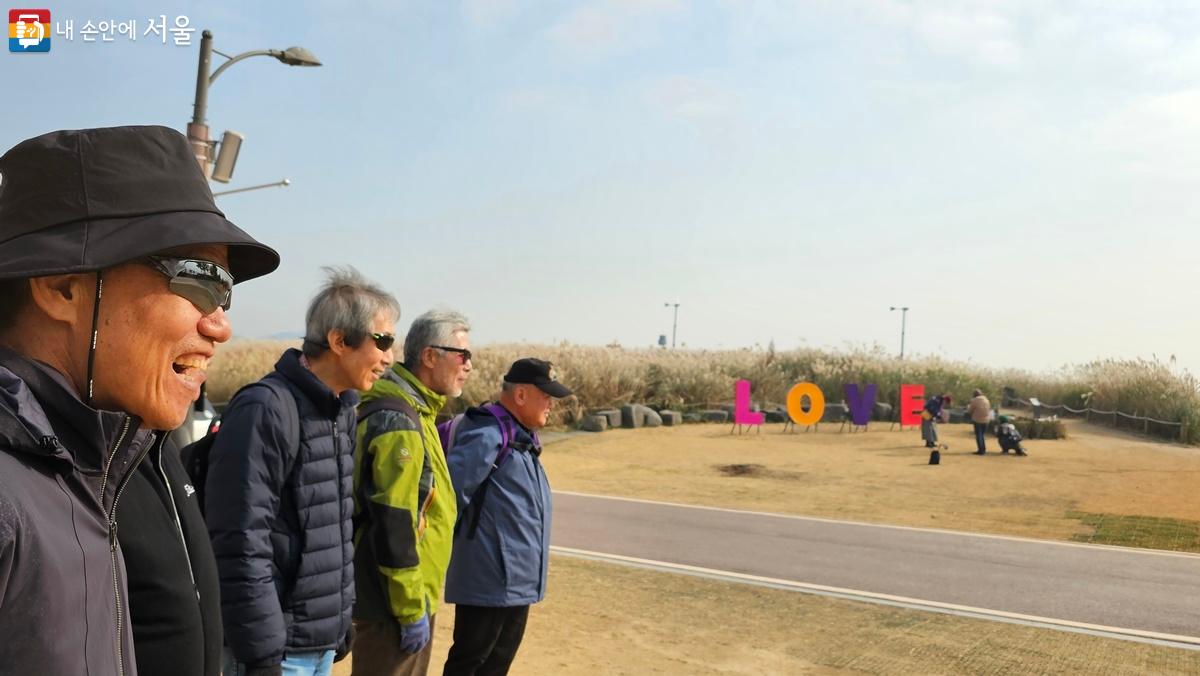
<point>1130,589</point>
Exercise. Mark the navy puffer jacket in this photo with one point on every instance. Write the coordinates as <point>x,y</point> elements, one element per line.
<point>281,527</point>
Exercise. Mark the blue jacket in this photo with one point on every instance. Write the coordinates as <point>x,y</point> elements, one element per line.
<point>934,406</point>
<point>505,563</point>
<point>279,504</point>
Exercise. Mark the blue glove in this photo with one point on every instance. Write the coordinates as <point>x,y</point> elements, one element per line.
<point>414,636</point>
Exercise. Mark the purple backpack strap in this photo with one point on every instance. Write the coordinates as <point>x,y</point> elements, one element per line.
<point>506,431</point>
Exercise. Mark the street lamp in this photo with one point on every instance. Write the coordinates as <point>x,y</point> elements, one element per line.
<point>903,321</point>
<point>197,130</point>
<point>674,322</point>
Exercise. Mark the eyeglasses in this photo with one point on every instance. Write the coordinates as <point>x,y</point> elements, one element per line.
<point>464,355</point>
<point>207,285</point>
<point>383,341</point>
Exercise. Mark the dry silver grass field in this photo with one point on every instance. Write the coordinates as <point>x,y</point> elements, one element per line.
<point>607,376</point>
<point>606,619</point>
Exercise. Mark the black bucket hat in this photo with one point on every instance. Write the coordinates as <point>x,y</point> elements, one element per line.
<point>88,199</point>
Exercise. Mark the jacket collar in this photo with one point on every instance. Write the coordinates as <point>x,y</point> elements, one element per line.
<point>41,414</point>
<point>399,381</point>
<point>328,404</point>
<point>524,436</point>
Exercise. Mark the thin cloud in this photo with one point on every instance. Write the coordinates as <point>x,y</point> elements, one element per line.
<point>609,26</point>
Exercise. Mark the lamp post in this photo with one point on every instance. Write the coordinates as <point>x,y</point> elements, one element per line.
<point>674,322</point>
<point>903,322</point>
<point>197,129</point>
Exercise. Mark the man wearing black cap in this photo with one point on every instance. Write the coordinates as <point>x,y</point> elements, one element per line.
<point>502,539</point>
<point>116,269</point>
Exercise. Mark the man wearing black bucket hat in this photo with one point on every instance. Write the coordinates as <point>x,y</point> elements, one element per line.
<point>502,539</point>
<point>116,269</point>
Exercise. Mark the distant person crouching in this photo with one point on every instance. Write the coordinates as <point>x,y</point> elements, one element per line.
<point>502,538</point>
<point>1010,438</point>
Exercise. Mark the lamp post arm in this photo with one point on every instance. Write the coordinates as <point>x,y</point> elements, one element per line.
<point>244,55</point>
<point>278,184</point>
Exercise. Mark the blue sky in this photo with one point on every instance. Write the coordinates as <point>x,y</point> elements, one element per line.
<point>1022,174</point>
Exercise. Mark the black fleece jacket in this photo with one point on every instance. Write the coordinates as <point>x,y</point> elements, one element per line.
<point>174,594</point>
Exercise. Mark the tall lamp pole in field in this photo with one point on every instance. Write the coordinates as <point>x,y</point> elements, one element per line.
<point>903,322</point>
<point>674,322</point>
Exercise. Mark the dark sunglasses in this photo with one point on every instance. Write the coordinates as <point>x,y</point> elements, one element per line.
<point>207,285</point>
<point>464,356</point>
<point>383,341</point>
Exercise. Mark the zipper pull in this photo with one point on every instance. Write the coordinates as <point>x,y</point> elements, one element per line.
<point>112,535</point>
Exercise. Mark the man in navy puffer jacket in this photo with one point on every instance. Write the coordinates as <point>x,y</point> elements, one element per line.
<point>502,539</point>
<point>279,501</point>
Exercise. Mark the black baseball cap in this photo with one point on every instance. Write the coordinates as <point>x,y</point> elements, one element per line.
<point>531,371</point>
<point>89,199</point>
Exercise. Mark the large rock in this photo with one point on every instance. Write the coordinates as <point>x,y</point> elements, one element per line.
<point>958,416</point>
<point>671,418</point>
<point>594,423</point>
<point>634,416</point>
<point>776,416</point>
<point>693,418</point>
<point>613,415</point>
<point>835,413</point>
<point>883,411</point>
<point>712,415</point>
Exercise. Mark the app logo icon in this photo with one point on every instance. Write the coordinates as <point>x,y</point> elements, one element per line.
<point>28,30</point>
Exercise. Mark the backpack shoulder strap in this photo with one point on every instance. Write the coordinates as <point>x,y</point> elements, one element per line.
<point>505,419</point>
<point>291,415</point>
<point>392,404</point>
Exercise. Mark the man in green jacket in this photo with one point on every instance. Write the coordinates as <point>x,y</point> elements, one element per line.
<point>404,505</point>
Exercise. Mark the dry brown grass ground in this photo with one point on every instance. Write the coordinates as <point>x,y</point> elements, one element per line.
<point>606,619</point>
<point>882,476</point>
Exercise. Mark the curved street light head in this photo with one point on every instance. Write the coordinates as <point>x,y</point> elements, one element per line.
<point>297,56</point>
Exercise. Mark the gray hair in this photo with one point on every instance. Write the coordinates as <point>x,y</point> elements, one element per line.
<point>349,303</point>
<point>435,327</point>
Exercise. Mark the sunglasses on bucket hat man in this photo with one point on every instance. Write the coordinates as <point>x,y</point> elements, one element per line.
<point>207,285</point>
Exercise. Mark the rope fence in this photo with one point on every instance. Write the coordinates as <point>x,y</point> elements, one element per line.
<point>1119,419</point>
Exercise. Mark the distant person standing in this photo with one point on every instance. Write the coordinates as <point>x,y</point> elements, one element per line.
<point>980,410</point>
<point>502,540</point>
<point>930,416</point>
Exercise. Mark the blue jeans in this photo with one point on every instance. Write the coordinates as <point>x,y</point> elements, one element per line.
<point>980,431</point>
<point>315,663</point>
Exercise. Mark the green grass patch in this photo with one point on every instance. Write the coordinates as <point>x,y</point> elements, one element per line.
<point>1149,532</point>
